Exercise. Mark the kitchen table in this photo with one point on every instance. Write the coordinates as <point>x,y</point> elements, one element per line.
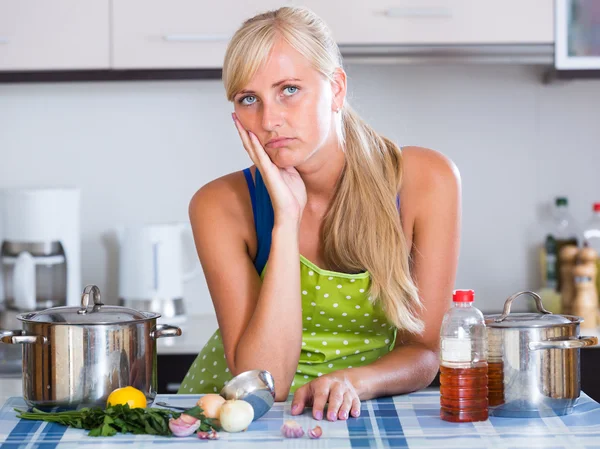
<point>409,421</point>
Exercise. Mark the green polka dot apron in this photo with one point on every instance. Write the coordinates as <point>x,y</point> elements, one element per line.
<point>341,329</point>
<point>341,326</point>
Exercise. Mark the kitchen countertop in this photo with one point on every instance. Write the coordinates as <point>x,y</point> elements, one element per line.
<point>195,332</point>
<point>10,387</point>
<point>410,420</point>
<point>197,329</point>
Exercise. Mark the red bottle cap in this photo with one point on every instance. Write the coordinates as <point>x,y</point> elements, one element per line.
<point>463,296</point>
<point>596,207</point>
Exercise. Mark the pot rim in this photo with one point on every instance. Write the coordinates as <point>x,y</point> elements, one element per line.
<point>25,317</point>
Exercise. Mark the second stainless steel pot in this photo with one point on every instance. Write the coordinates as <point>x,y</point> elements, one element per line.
<point>533,361</point>
<point>76,356</point>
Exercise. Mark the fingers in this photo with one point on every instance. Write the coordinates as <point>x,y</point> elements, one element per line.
<point>245,138</point>
<point>259,151</point>
<point>346,406</point>
<point>319,401</point>
<point>355,411</point>
<point>301,399</point>
<point>336,398</point>
<point>252,145</point>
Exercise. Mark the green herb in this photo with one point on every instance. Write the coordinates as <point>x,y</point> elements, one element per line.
<point>117,418</point>
<point>206,424</point>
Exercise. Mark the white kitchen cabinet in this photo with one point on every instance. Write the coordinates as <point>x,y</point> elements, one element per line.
<point>437,21</point>
<point>54,35</point>
<point>155,34</point>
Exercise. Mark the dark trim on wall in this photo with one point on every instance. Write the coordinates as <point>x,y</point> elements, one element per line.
<point>568,75</point>
<point>56,76</point>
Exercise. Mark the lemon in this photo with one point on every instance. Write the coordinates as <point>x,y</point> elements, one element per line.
<point>127,395</point>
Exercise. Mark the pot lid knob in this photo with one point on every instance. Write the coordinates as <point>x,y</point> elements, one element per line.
<point>507,304</point>
<point>85,299</point>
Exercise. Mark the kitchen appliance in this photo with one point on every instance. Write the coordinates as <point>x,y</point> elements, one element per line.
<point>152,258</point>
<point>77,355</point>
<point>40,265</point>
<point>533,361</point>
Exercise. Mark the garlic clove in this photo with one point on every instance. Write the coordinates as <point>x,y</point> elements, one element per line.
<point>291,429</point>
<point>184,426</point>
<point>211,435</point>
<point>315,433</point>
<point>187,419</point>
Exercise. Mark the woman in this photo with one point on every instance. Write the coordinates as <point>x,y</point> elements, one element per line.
<point>331,261</point>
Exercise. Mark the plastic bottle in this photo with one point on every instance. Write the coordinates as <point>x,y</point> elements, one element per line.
<point>591,237</point>
<point>463,361</point>
<point>564,230</point>
<point>551,297</point>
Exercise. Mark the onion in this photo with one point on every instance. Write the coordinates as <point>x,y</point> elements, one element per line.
<point>236,415</point>
<point>211,406</point>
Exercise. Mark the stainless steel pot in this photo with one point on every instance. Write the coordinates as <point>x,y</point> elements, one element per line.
<point>533,361</point>
<point>76,356</point>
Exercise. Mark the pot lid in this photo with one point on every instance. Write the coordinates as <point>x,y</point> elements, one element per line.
<point>521,320</point>
<point>98,313</point>
<point>529,320</point>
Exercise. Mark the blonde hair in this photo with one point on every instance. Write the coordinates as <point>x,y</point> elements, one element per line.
<point>362,228</point>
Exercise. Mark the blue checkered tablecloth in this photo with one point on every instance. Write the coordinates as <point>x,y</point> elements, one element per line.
<point>408,421</point>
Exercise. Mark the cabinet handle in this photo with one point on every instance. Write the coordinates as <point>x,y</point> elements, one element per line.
<point>4,40</point>
<point>196,37</point>
<point>418,12</point>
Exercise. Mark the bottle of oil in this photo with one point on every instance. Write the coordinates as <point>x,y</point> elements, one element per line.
<point>463,361</point>
<point>564,230</point>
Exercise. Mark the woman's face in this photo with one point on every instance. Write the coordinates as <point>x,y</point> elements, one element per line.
<point>290,107</point>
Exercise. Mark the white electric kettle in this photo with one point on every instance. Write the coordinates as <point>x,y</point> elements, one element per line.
<point>155,260</point>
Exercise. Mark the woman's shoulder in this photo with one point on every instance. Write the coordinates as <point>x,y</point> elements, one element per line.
<point>224,199</point>
<point>430,183</point>
<point>428,170</point>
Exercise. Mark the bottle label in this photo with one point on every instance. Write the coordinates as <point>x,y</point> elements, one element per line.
<point>551,262</point>
<point>456,349</point>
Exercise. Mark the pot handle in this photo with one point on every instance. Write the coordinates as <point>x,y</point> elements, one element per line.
<point>85,299</point>
<point>577,343</point>
<point>164,330</point>
<point>507,304</point>
<point>17,337</point>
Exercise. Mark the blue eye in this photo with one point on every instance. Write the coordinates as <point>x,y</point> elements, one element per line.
<point>249,97</point>
<point>291,90</point>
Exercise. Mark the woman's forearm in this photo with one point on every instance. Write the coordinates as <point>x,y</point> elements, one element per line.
<point>273,338</point>
<point>403,370</point>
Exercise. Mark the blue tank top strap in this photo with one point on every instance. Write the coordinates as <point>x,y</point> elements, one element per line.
<point>264,217</point>
<point>251,190</point>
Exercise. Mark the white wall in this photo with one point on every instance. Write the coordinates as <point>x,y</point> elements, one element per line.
<point>139,150</point>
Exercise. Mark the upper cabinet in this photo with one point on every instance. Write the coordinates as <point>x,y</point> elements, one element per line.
<point>54,35</point>
<point>177,33</point>
<point>437,21</point>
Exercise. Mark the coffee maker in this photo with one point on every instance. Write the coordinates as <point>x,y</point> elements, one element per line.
<point>40,257</point>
